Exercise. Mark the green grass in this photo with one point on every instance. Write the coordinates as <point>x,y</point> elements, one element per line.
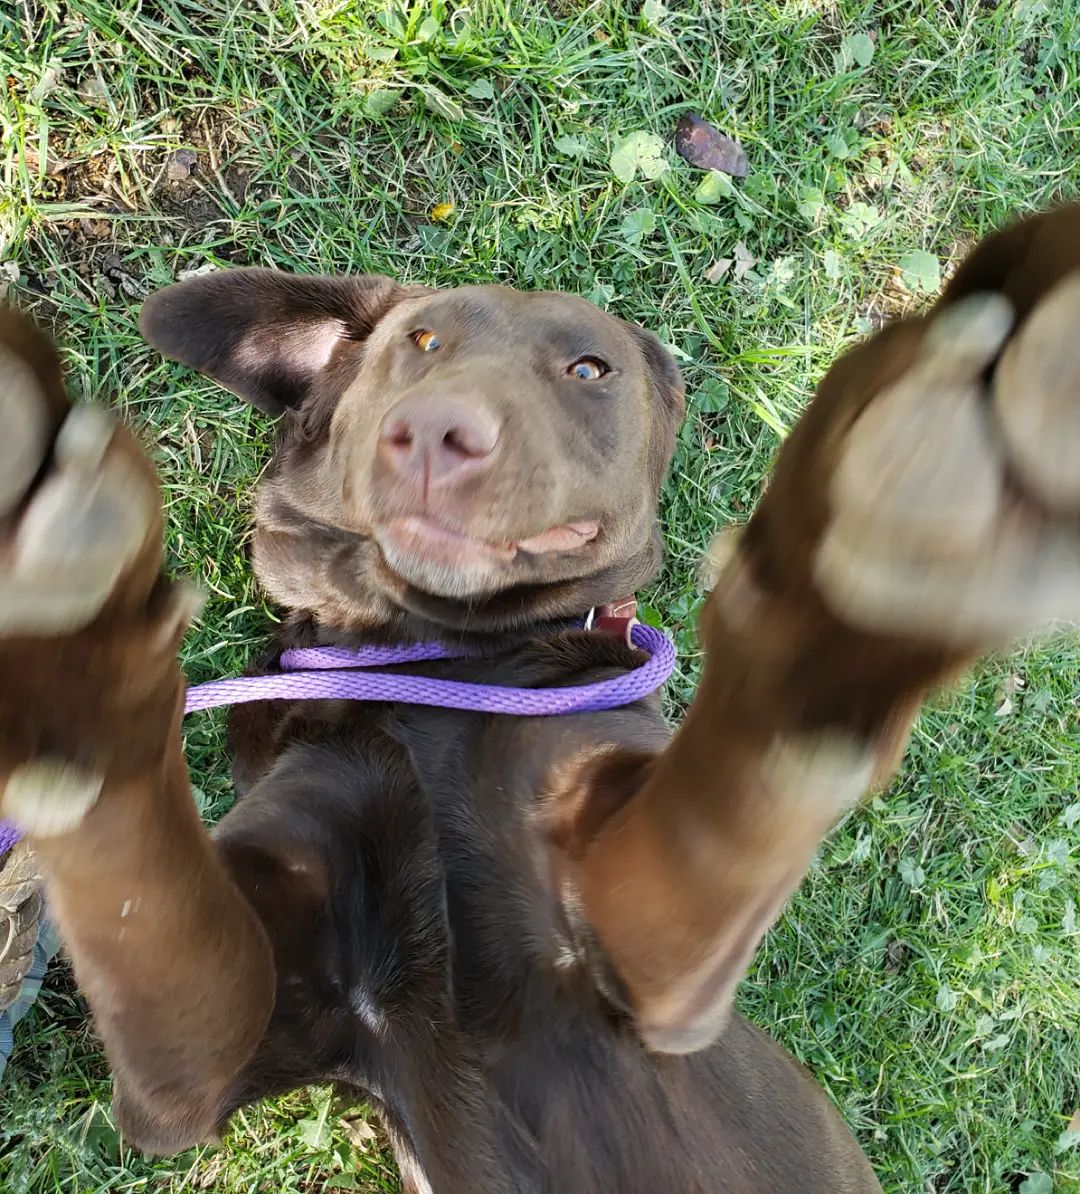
<point>928,970</point>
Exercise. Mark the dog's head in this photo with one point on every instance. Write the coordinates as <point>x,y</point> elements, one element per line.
<point>476,457</point>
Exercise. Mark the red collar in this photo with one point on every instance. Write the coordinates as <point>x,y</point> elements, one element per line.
<point>615,617</point>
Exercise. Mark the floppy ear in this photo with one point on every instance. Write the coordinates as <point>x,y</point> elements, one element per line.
<point>665,373</point>
<point>670,389</point>
<point>264,334</point>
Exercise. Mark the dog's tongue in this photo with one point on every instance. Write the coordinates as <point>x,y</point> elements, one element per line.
<point>561,538</point>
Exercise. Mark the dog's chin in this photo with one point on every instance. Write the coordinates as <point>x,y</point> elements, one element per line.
<point>440,562</point>
<point>444,563</point>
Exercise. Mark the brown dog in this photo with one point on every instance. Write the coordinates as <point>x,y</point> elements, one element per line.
<point>483,921</point>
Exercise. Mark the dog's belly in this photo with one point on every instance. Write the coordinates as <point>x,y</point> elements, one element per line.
<point>423,957</point>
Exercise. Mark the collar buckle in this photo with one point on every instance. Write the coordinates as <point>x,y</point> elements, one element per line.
<point>615,617</point>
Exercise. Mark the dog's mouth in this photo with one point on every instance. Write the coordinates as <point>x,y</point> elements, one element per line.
<point>451,563</point>
<point>434,541</point>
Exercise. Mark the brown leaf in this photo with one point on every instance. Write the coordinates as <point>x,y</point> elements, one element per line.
<point>50,78</point>
<point>180,164</point>
<point>93,91</point>
<point>116,278</point>
<point>1074,1123</point>
<point>53,166</point>
<point>9,276</point>
<point>717,270</point>
<point>358,1132</point>
<point>708,148</point>
<point>744,259</point>
<point>895,957</point>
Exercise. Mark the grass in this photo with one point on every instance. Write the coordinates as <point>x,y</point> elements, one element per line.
<point>927,972</point>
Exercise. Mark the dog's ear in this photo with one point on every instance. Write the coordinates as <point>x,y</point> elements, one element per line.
<point>264,334</point>
<point>665,374</point>
<point>669,408</point>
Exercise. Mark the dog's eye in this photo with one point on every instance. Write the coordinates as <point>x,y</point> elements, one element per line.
<point>588,369</point>
<point>426,341</point>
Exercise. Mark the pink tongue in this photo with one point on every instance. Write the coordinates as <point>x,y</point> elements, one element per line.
<point>564,538</point>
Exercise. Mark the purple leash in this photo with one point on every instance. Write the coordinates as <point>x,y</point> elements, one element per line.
<point>330,674</point>
<point>9,835</point>
<point>327,674</point>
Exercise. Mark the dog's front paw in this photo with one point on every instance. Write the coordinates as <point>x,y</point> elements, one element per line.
<point>76,509</point>
<point>955,503</point>
<point>88,626</point>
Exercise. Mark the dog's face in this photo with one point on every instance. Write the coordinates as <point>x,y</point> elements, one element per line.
<point>476,456</point>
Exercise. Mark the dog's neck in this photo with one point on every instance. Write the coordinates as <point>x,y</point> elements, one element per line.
<point>304,629</point>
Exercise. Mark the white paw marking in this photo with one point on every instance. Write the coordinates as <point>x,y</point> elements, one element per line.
<point>1037,398</point>
<point>922,541</point>
<point>825,773</point>
<point>84,438</point>
<point>23,428</point>
<point>920,467</point>
<point>82,528</point>
<point>185,604</point>
<point>720,552</point>
<point>49,797</point>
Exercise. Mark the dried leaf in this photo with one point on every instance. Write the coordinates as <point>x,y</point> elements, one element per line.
<point>196,271</point>
<point>9,276</point>
<point>707,148</point>
<point>442,211</point>
<point>358,1132</point>
<point>50,78</point>
<point>92,91</point>
<point>180,164</point>
<point>718,269</point>
<point>895,957</point>
<point>53,166</point>
<point>744,260</point>
<point>116,279</point>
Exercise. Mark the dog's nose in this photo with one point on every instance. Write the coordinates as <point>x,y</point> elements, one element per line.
<point>438,442</point>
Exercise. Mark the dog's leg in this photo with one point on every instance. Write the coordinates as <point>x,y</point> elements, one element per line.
<point>171,956</point>
<point>926,509</point>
